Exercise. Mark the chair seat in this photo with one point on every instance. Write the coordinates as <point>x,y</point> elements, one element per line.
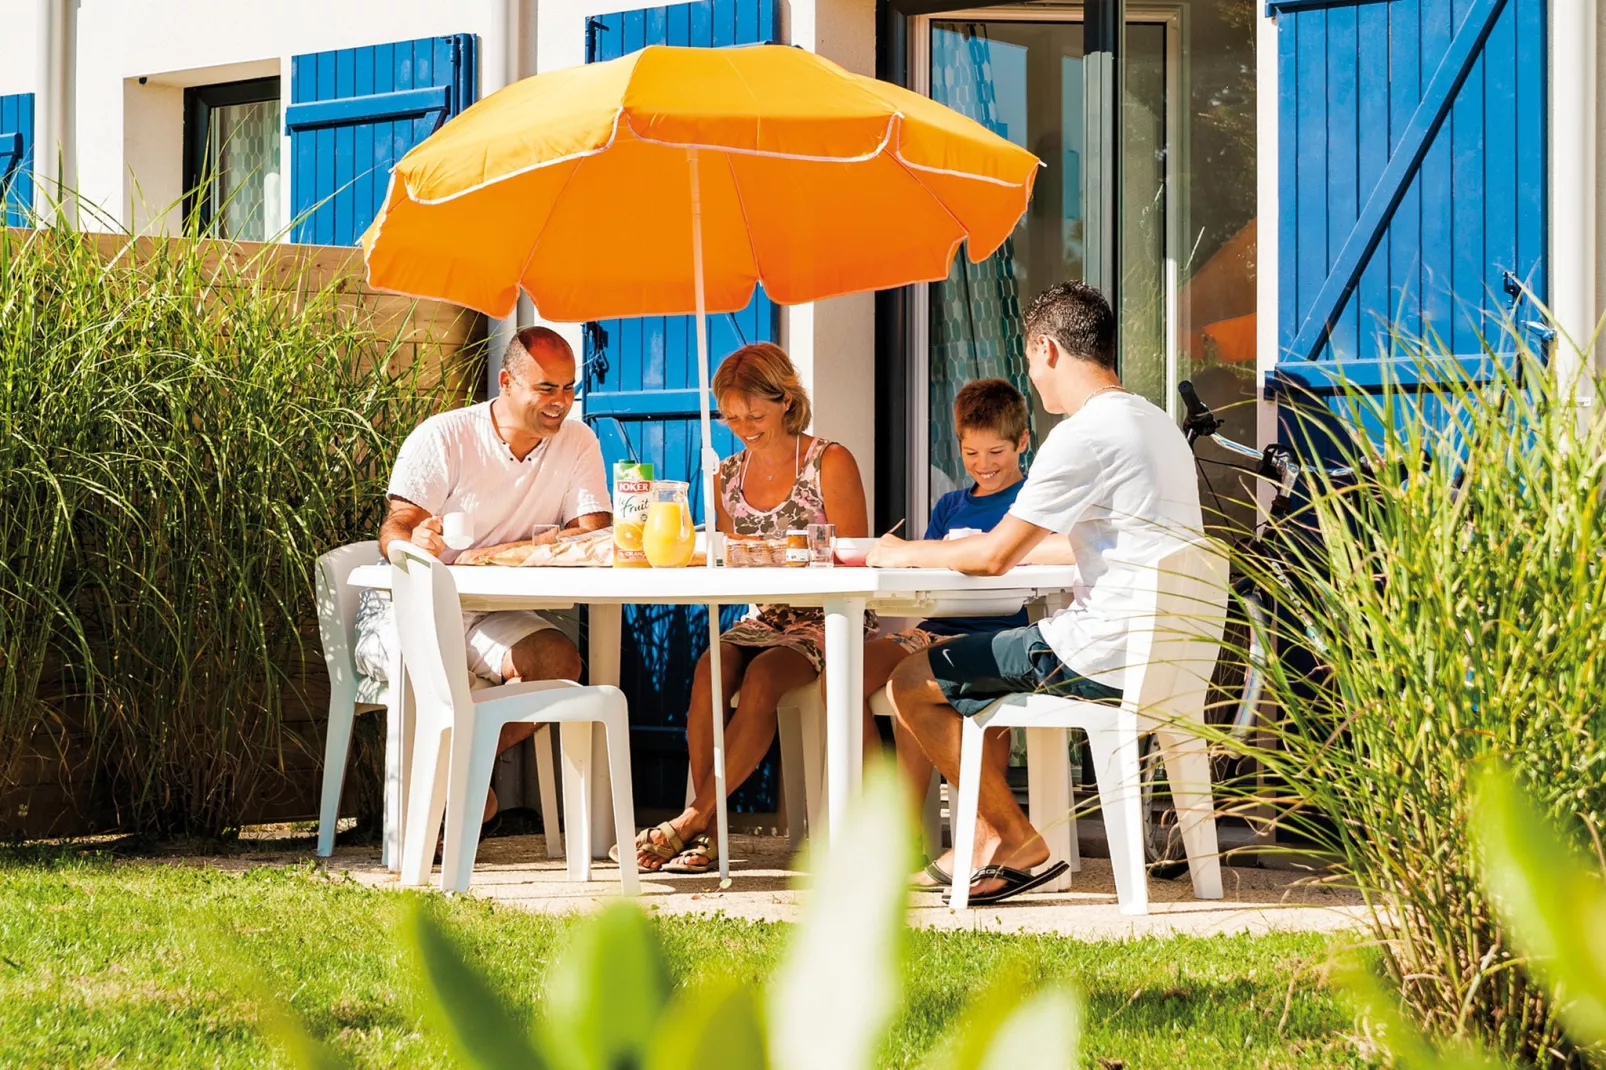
<point>375,693</point>
<point>1046,711</point>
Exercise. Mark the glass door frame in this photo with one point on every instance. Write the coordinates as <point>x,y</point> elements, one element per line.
<point>918,305</point>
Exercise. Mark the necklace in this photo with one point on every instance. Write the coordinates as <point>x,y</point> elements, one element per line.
<point>769,477</point>
<point>1105,390</point>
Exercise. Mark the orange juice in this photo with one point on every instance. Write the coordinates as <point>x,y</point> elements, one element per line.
<point>668,538</point>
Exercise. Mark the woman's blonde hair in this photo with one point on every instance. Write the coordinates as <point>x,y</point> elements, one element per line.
<point>763,370</point>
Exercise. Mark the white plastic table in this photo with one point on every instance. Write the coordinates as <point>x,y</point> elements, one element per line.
<point>844,594</point>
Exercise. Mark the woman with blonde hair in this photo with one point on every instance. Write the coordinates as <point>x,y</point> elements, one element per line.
<point>783,479</point>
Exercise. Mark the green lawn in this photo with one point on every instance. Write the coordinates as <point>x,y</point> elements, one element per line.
<point>108,961</point>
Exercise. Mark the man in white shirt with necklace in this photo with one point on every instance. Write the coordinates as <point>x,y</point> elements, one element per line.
<point>1115,476</point>
<point>509,464</point>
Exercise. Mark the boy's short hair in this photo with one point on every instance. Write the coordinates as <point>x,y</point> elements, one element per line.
<point>1078,318</point>
<point>991,405</point>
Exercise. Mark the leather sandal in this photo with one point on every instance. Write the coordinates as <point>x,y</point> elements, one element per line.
<point>700,847</point>
<point>670,846</point>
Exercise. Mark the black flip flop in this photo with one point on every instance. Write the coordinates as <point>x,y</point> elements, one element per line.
<point>1015,881</point>
<point>940,879</point>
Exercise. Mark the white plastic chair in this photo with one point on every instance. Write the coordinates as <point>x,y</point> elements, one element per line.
<point>1171,653</point>
<point>337,627</point>
<point>457,731</point>
<point>350,693</point>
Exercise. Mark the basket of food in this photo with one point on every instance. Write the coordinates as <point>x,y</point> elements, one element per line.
<point>747,551</point>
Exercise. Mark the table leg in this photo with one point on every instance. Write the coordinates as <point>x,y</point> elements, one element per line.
<point>606,624</point>
<point>844,704</point>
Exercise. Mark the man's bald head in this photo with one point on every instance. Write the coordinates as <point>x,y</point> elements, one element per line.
<point>537,380</point>
<point>529,348</point>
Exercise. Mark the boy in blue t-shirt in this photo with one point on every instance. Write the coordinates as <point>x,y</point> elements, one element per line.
<point>990,417</point>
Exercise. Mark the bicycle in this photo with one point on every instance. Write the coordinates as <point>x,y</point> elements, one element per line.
<point>1238,685</point>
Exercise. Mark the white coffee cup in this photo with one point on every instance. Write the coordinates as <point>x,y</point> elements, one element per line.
<point>962,533</point>
<point>457,531</point>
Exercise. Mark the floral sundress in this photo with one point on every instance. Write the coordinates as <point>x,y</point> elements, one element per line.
<point>791,627</point>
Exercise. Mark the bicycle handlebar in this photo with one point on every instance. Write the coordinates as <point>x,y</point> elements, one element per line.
<point>1276,462</point>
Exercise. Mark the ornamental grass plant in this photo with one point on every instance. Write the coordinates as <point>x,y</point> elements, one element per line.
<point>1452,609</point>
<point>184,426</point>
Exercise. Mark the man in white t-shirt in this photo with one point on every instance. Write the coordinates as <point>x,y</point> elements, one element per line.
<point>510,464</point>
<point>1115,476</point>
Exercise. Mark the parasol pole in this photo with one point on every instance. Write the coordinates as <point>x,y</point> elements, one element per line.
<point>710,466</point>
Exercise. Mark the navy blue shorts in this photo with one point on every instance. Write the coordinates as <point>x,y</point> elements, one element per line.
<point>974,671</point>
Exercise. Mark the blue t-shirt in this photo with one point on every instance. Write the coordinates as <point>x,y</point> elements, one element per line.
<point>966,509</point>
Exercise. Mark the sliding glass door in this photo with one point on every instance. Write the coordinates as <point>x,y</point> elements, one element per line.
<point>1183,209</point>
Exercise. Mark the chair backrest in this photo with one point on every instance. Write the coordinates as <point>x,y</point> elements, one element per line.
<point>1171,654</point>
<point>337,609</point>
<point>429,623</point>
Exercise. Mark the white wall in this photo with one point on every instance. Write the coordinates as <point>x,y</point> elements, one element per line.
<point>19,48</point>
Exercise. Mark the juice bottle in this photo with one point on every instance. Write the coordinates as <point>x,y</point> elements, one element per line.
<point>632,486</point>
<point>668,540</point>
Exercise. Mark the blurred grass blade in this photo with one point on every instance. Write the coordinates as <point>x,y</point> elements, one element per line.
<point>1003,1028</point>
<point>1554,907</point>
<point>839,984</point>
<point>711,1025</point>
<point>607,993</point>
<point>1042,1032</point>
<point>301,1048</point>
<point>477,1027</point>
<point>277,1019</point>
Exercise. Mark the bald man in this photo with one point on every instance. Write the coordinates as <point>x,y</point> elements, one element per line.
<point>511,463</point>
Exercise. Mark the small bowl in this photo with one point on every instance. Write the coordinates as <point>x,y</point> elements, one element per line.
<point>853,552</point>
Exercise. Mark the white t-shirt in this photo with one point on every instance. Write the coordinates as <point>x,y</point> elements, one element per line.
<point>456,462</point>
<point>1117,478</point>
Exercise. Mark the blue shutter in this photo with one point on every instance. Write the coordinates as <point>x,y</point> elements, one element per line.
<point>641,386</point>
<point>16,159</point>
<point>354,112</point>
<point>1411,170</point>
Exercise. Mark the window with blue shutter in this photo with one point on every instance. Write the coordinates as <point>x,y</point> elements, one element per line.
<point>1411,171</point>
<point>641,397</point>
<point>354,112</point>
<point>16,159</point>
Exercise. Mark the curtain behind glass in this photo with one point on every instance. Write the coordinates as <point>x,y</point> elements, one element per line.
<point>243,145</point>
<point>975,316</point>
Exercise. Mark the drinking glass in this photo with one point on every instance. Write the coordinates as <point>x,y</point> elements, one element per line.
<point>457,531</point>
<point>822,545</point>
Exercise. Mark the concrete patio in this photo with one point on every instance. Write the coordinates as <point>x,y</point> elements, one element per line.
<point>766,887</point>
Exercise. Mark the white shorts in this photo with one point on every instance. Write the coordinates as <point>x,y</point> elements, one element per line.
<point>490,637</point>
